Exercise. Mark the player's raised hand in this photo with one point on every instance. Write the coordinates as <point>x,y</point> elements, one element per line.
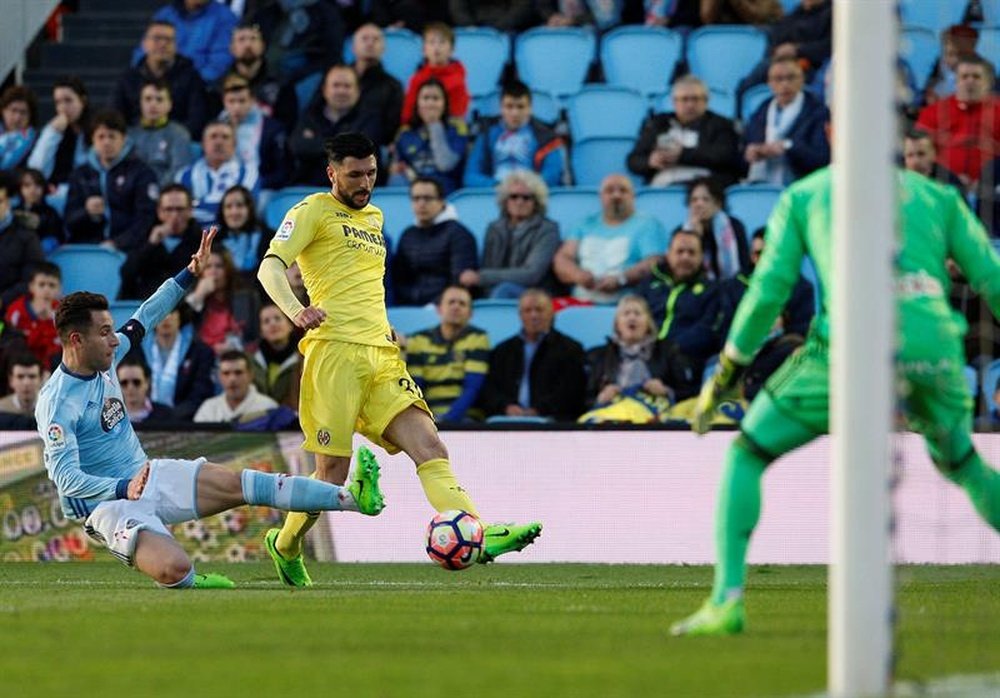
<point>309,318</point>
<point>723,385</point>
<point>199,260</point>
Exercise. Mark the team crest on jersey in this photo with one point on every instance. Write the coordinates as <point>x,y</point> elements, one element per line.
<point>112,413</point>
<point>285,231</point>
<point>323,436</point>
<point>56,438</point>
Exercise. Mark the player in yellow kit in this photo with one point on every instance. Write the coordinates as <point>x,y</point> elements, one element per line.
<point>353,378</point>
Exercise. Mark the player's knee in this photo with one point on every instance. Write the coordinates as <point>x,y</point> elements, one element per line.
<point>173,569</point>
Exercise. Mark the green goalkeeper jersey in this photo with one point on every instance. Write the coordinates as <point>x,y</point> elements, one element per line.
<point>935,225</point>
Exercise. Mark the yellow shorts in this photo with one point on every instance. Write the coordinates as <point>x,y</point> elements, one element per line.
<point>348,388</point>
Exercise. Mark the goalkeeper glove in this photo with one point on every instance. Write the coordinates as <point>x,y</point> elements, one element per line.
<point>725,384</point>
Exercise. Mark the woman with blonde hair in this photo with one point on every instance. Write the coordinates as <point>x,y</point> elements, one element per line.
<point>520,244</point>
<point>634,361</point>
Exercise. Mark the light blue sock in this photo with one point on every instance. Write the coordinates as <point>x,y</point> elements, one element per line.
<point>293,493</point>
<point>186,583</point>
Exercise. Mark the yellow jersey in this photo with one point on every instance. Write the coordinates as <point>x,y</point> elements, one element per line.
<point>341,253</point>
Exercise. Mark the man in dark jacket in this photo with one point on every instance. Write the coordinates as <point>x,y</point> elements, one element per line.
<point>380,92</point>
<point>20,249</point>
<point>162,61</point>
<point>431,254</point>
<point>538,373</point>
<point>786,136</point>
<point>339,111</point>
<point>688,143</point>
<point>684,304</point>
<point>113,196</point>
<point>302,36</point>
<point>805,34</point>
<point>273,94</point>
<point>168,244</point>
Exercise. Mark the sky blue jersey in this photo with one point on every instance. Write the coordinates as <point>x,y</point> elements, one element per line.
<point>91,450</point>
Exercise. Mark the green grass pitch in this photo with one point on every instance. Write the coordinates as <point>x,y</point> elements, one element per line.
<point>415,630</point>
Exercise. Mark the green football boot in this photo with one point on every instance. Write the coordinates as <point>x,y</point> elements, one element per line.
<point>500,539</point>
<point>727,618</point>
<point>210,580</point>
<point>364,484</point>
<point>291,572</point>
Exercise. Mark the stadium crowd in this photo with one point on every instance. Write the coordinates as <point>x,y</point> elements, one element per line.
<point>227,104</point>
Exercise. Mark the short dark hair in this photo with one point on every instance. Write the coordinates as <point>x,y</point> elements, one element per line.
<point>173,188</point>
<point>348,145</point>
<point>72,82</point>
<point>110,119</point>
<point>681,230</point>
<point>440,28</point>
<point>21,93</point>
<point>433,182</point>
<point>234,82</point>
<point>23,358</point>
<point>918,134</point>
<point>234,355</point>
<point>130,360</point>
<point>36,176</point>
<point>977,59</point>
<point>46,269</point>
<point>458,287</point>
<point>160,23</point>
<point>714,189</point>
<point>74,312</point>
<point>515,88</point>
<point>759,233</point>
<point>160,84</point>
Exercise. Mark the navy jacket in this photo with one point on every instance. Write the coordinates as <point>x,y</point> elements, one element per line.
<point>798,312</point>
<point>129,189</point>
<point>686,313</point>
<point>148,266</point>
<point>19,252</point>
<point>429,259</point>
<point>810,149</point>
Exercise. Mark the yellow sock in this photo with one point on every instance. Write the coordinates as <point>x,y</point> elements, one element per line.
<point>293,533</point>
<point>441,487</point>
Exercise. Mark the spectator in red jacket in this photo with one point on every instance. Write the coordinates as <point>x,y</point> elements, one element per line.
<point>33,314</point>
<point>439,45</point>
<point>966,126</point>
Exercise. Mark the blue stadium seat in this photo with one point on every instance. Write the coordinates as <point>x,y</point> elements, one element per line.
<point>500,322</point>
<point>989,44</point>
<point>971,380</point>
<point>641,58</point>
<point>569,205</point>
<point>484,52</point>
<point>306,89</point>
<point>789,5</point>
<point>554,60</point>
<point>752,204</point>
<point>722,102</point>
<point>410,319</point>
<point>121,311</point>
<point>991,12</point>
<point>404,52</point>
<point>544,106</point>
<point>666,204</point>
<point>599,111</point>
<point>57,200</point>
<point>989,384</point>
<point>477,208</point>
<point>522,419</point>
<point>742,47</point>
<point>397,214</point>
<point>89,268</point>
<point>595,158</point>
<point>752,99</point>
<point>590,325</point>
<point>919,48</point>
<point>934,15</point>
<point>283,200</point>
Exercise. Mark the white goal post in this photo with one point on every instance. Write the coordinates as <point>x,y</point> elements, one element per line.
<point>862,336</point>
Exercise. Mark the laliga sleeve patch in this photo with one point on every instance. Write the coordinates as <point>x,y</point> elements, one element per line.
<point>285,231</point>
<point>55,438</point>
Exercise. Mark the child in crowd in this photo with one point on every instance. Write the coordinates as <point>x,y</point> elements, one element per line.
<point>39,215</point>
<point>439,47</point>
<point>33,314</point>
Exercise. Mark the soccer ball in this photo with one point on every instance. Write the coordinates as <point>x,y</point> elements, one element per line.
<point>455,539</point>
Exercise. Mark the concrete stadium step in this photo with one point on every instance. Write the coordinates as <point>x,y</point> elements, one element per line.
<point>120,6</point>
<point>111,53</point>
<point>88,28</point>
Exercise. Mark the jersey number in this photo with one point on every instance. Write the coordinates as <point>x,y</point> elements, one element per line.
<point>410,387</point>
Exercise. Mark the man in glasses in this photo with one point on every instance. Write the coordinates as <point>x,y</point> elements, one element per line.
<point>135,379</point>
<point>434,251</point>
<point>687,143</point>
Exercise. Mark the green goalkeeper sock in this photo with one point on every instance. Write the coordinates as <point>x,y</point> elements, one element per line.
<point>736,516</point>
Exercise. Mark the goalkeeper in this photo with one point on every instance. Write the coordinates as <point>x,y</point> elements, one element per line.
<point>793,407</point>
